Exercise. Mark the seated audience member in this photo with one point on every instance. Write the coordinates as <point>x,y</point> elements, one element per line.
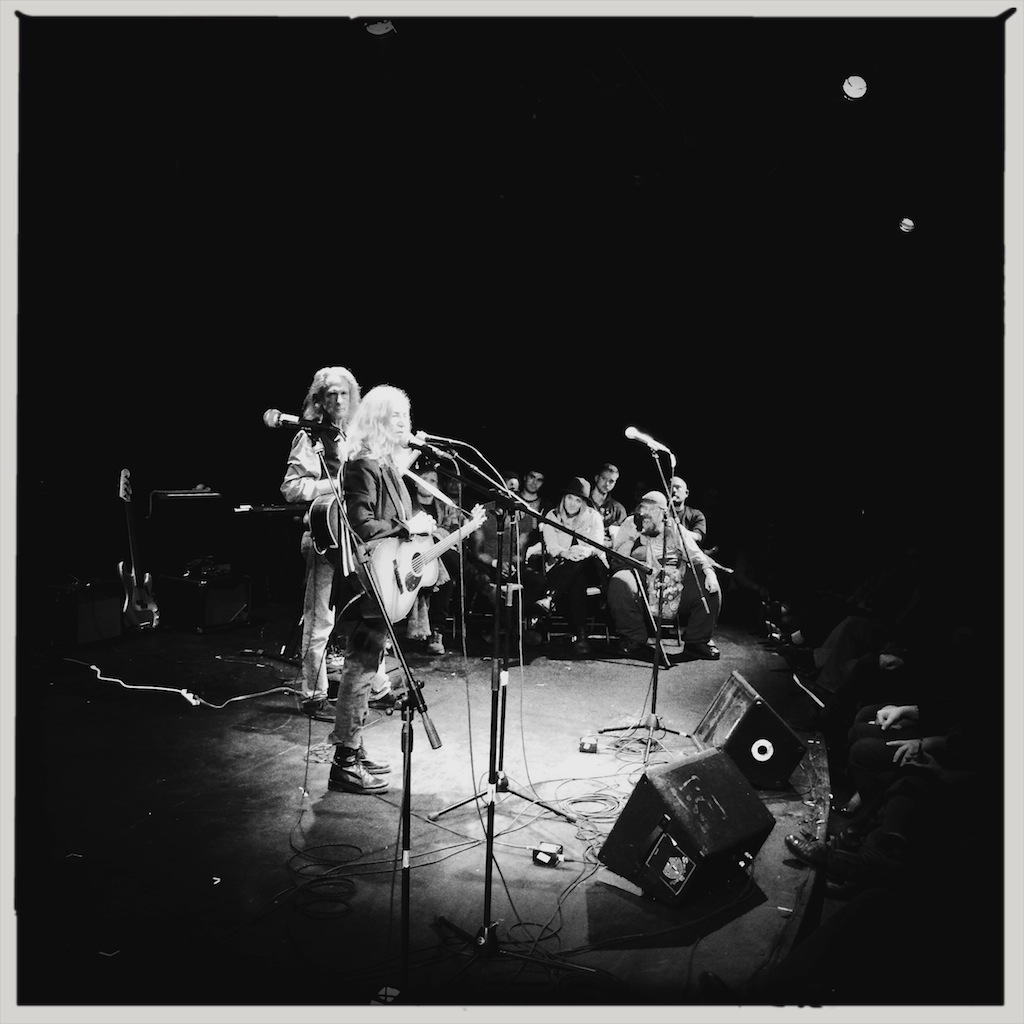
<point>533,481</point>
<point>923,702</point>
<point>909,835</point>
<point>642,538</point>
<point>430,612</point>
<point>613,513</point>
<point>482,558</point>
<point>571,564</point>
<point>530,495</point>
<point>692,518</point>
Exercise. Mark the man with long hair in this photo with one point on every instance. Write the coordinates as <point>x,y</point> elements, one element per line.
<point>378,505</point>
<point>332,400</point>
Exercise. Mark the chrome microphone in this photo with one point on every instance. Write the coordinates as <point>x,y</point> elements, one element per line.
<point>638,435</point>
<point>276,418</point>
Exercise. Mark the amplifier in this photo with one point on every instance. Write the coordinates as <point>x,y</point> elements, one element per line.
<point>203,603</point>
<point>83,613</point>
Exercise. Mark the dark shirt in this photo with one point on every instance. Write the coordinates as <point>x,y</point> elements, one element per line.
<point>613,513</point>
<point>487,538</point>
<point>694,521</point>
<point>373,491</point>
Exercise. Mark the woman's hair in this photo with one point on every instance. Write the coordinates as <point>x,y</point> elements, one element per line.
<point>368,429</point>
<point>312,407</point>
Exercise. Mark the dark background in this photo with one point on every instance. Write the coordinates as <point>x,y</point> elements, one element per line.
<point>544,230</point>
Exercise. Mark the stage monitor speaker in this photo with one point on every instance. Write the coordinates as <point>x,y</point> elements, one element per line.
<point>740,722</point>
<point>688,828</point>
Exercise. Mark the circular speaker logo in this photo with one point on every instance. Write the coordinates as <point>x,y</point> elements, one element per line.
<point>762,750</point>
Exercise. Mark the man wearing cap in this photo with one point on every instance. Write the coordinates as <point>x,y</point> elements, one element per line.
<point>643,537</point>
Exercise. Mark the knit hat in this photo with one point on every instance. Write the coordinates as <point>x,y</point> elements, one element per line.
<point>655,498</point>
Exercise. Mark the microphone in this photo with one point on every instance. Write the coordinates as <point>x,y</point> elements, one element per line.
<point>276,418</point>
<point>421,439</point>
<point>638,435</point>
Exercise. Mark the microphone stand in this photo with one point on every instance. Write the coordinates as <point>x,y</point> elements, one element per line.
<point>315,432</point>
<point>499,680</point>
<point>486,939</point>
<point>409,704</point>
<point>653,721</point>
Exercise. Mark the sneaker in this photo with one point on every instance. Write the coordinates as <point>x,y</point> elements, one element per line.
<point>435,645</point>
<point>706,651</point>
<point>317,707</point>
<point>352,776</point>
<point>372,766</point>
<point>385,702</point>
<point>581,645</point>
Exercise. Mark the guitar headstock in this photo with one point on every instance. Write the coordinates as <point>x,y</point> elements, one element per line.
<point>124,489</point>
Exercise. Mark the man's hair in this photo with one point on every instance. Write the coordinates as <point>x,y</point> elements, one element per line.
<point>609,467</point>
<point>312,406</point>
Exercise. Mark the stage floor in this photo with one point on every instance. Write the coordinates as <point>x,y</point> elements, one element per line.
<point>177,854</point>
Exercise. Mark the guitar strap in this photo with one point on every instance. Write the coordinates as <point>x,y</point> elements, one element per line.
<point>393,488</point>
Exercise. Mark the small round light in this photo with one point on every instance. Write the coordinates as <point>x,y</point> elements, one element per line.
<point>906,225</point>
<point>854,87</point>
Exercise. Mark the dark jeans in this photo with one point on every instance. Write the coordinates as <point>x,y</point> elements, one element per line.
<point>567,582</point>
<point>870,760</point>
<point>866,683</point>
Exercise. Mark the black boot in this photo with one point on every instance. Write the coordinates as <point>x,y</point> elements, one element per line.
<point>350,775</point>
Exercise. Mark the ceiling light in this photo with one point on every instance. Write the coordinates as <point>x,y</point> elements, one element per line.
<point>854,87</point>
<point>380,28</point>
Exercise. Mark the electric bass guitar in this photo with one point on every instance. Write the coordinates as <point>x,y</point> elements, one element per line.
<point>401,565</point>
<point>139,610</point>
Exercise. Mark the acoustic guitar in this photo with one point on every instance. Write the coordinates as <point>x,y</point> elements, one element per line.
<point>139,611</point>
<point>402,565</point>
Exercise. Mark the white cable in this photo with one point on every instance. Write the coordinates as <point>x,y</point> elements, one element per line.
<point>188,695</point>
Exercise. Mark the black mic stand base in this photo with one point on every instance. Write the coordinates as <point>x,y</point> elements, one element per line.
<point>651,723</point>
<point>489,948</point>
<point>503,786</point>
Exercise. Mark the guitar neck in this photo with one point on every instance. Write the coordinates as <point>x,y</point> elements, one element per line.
<point>132,553</point>
<point>447,542</point>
